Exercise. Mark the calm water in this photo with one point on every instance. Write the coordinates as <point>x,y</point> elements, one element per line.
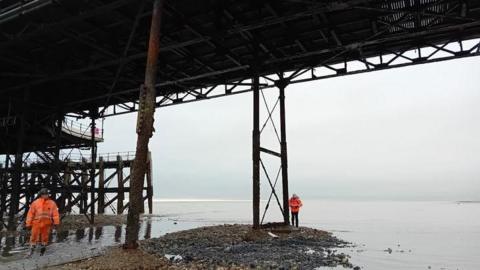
<point>440,235</point>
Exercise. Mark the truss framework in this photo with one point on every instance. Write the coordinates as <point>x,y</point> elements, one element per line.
<point>70,183</point>
<point>198,54</point>
<point>428,53</point>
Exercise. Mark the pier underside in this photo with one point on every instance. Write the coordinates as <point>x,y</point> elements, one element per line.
<point>87,60</point>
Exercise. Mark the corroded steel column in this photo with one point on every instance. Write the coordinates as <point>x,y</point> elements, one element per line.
<point>149,184</point>
<point>94,165</point>
<point>17,166</point>
<point>3,190</point>
<point>256,153</point>
<point>101,186</point>
<point>283,150</point>
<point>144,128</point>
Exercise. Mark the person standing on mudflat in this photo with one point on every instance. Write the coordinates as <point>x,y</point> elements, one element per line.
<point>295,203</point>
<point>42,214</point>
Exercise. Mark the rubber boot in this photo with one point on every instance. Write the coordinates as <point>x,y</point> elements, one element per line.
<point>30,253</point>
<point>42,250</point>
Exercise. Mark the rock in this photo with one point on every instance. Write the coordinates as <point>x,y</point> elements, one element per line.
<point>272,235</point>
<point>173,258</point>
<point>356,268</point>
<point>221,247</point>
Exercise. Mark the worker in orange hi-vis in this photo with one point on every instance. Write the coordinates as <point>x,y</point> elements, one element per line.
<point>43,214</point>
<point>295,203</point>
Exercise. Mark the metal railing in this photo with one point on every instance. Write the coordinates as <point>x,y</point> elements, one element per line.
<point>81,130</point>
<point>79,157</point>
<point>129,155</point>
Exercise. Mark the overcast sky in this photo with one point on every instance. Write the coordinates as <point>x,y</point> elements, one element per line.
<point>408,133</point>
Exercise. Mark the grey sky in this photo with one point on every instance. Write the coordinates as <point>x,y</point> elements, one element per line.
<point>408,133</point>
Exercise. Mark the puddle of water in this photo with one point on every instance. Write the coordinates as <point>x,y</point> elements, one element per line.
<point>77,244</point>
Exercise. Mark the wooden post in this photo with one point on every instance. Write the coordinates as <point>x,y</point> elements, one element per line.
<point>121,194</point>
<point>149,184</point>
<point>84,177</point>
<point>29,192</point>
<point>101,187</point>
<point>67,196</point>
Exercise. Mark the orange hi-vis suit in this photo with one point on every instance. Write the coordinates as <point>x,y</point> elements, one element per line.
<point>42,213</point>
<point>295,204</point>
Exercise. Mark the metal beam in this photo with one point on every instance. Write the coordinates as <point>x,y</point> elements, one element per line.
<point>256,152</point>
<point>282,84</point>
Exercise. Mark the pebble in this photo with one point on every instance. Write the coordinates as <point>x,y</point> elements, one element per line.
<point>227,245</point>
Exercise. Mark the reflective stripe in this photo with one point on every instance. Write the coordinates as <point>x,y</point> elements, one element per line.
<point>43,212</point>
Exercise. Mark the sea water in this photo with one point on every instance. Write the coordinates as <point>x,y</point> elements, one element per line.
<point>384,234</point>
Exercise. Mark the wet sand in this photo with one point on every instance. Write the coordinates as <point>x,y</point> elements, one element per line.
<point>75,222</point>
<point>66,248</point>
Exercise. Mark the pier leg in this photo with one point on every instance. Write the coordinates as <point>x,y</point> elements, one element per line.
<point>17,173</point>
<point>55,169</point>
<point>256,153</point>
<point>144,128</point>
<point>283,152</point>
<point>3,192</point>
<point>29,190</point>
<point>121,194</point>
<point>142,205</point>
<point>83,200</point>
<point>93,166</point>
<point>149,184</point>
<point>101,186</point>
<point>68,195</point>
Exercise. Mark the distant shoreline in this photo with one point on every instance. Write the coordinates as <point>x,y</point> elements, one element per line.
<point>468,201</point>
<point>200,200</point>
<point>168,200</point>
